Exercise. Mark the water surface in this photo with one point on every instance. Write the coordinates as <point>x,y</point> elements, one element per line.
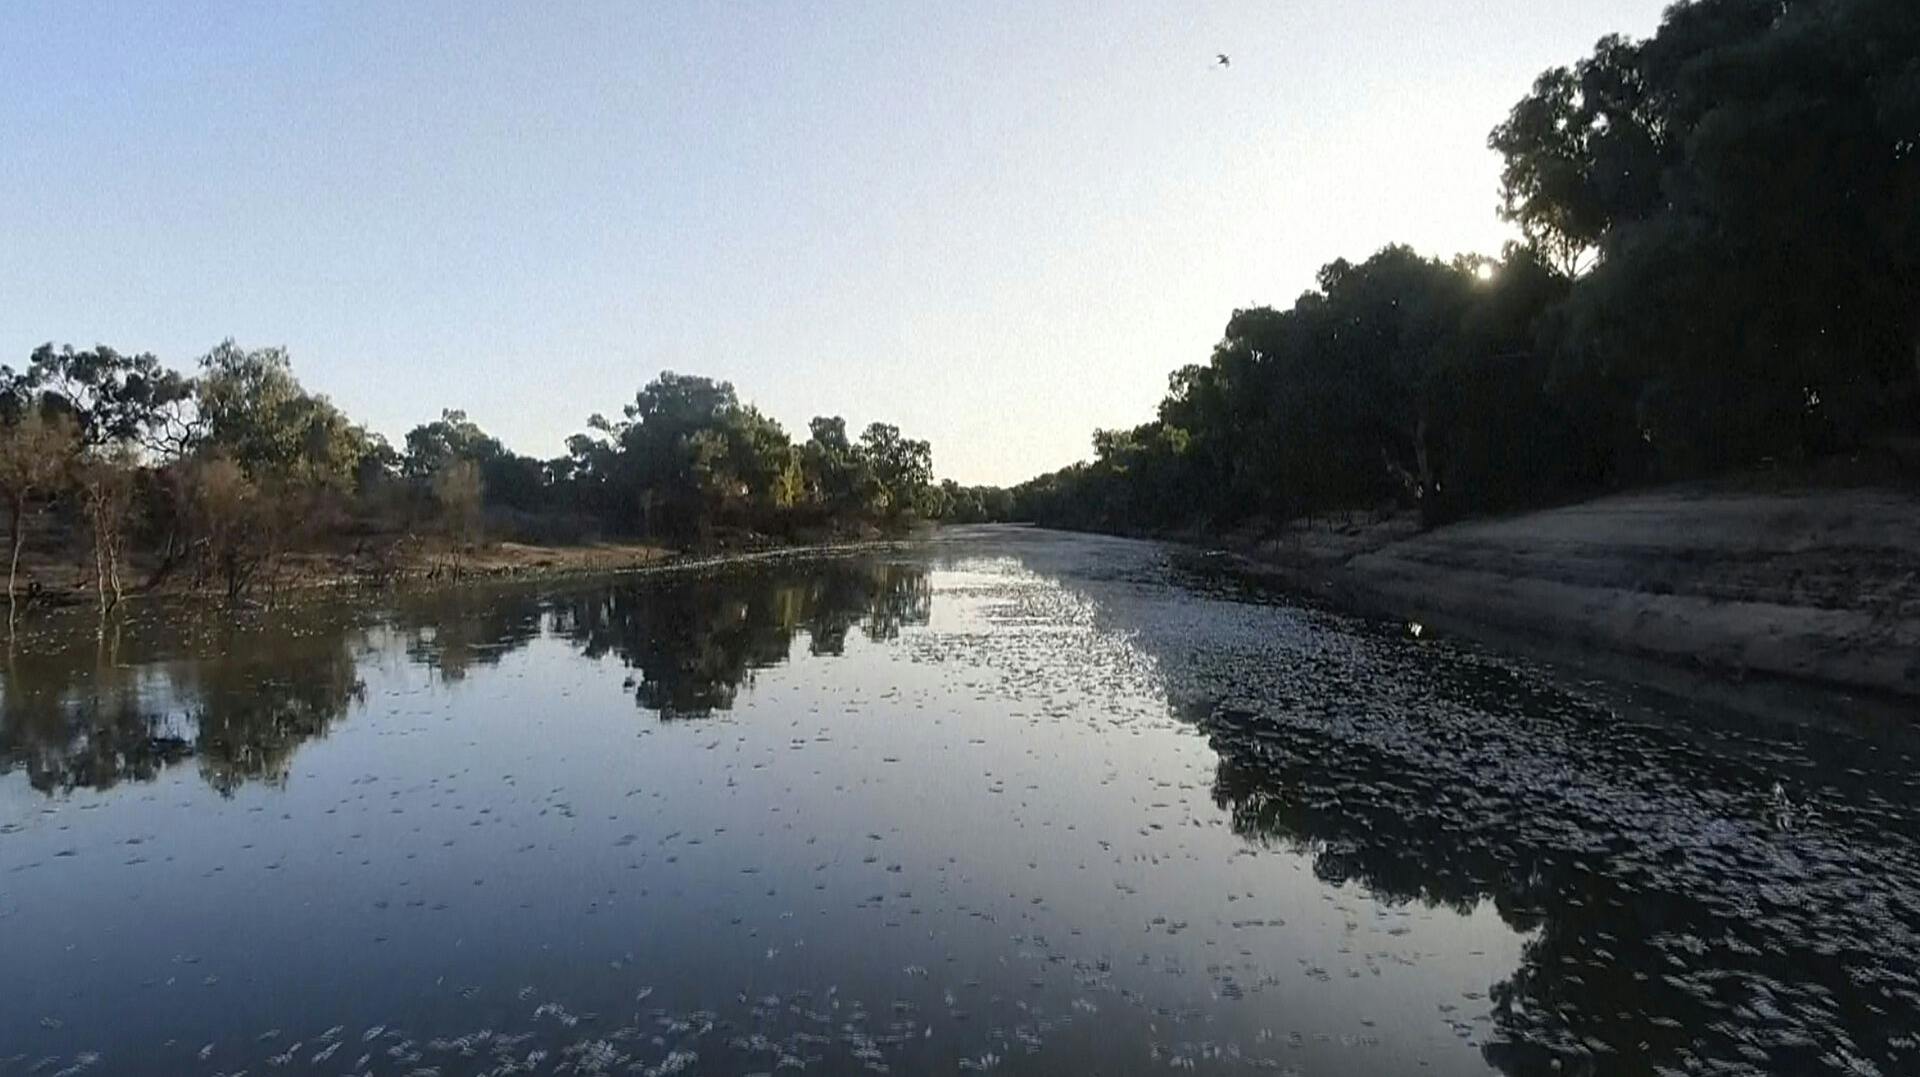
<point>1009,800</point>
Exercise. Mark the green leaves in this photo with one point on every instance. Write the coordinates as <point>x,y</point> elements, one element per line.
<point>689,457</point>
<point>257,414</point>
<point>1720,267</point>
<point>112,399</point>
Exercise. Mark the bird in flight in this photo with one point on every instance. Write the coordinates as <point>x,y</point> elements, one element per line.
<point>1223,60</point>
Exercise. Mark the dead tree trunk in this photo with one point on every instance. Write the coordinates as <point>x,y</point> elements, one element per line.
<point>18,536</point>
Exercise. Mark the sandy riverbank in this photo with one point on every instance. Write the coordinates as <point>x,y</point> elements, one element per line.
<point>1813,585</point>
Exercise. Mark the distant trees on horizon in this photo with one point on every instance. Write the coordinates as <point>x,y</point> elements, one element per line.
<point>222,474</point>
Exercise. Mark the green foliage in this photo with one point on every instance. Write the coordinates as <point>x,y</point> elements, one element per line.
<point>1748,186</point>
<point>256,414</point>
<point>831,467</point>
<point>1400,379</point>
<point>517,482</point>
<point>111,399</point>
<point>1722,260</point>
<point>900,469</point>
<point>687,456</point>
<point>432,446</point>
<point>972,504</point>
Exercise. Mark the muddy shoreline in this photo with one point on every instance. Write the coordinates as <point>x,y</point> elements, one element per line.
<point>1701,590</point>
<point>317,576</point>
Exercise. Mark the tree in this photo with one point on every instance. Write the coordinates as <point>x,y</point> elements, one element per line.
<point>260,417</point>
<point>901,467</point>
<point>518,482</point>
<point>651,462</point>
<point>829,432</point>
<point>459,492</point>
<point>226,510</point>
<point>271,463</point>
<point>1400,379</point>
<point>432,446</point>
<point>830,464</point>
<point>1748,180</point>
<point>1584,152</point>
<point>113,399</point>
<point>686,456</point>
<point>105,479</point>
<point>765,461</point>
<point>36,455</point>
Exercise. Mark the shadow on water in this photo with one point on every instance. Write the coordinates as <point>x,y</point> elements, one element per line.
<point>1699,893</point>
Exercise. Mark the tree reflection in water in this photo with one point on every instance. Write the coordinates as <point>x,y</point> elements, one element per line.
<point>71,724</point>
<point>240,694</point>
<point>456,632</point>
<point>1683,913</point>
<point>695,646</point>
<point>1655,947</point>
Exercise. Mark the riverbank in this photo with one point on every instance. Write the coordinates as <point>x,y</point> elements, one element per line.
<point>1812,585</point>
<point>414,564</point>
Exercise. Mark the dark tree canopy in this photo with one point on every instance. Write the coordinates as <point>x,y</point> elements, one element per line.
<point>111,398</point>
<point>1721,268</point>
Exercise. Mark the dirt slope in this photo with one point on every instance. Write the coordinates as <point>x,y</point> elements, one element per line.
<point>1820,585</point>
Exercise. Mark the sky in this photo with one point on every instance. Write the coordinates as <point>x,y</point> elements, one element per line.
<point>997,225</point>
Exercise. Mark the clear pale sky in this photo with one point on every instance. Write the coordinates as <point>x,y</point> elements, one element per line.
<point>999,225</point>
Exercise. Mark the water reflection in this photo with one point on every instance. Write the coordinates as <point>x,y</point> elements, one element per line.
<point>1701,891</point>
<point>1695,893</point>
<point>68,733</point>
<point>1683,911</point>
<point>138,701</point>
<point>240,697</point>
<point>463,631</point>
<point>694,647</point>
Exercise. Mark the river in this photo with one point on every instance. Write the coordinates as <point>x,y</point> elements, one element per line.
<point>1005,800</point>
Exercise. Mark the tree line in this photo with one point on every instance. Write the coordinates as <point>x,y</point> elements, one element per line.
<point>1720,269</point>
<point>215,478</point>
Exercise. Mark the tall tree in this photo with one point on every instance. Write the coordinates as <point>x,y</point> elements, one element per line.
<point>1749,179</point>
<point>36,455</point>
<point>111,398</point>
<point>509,479</point>
<point>901,466</point>
<point>105,480</point>
<point>259,415</point>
